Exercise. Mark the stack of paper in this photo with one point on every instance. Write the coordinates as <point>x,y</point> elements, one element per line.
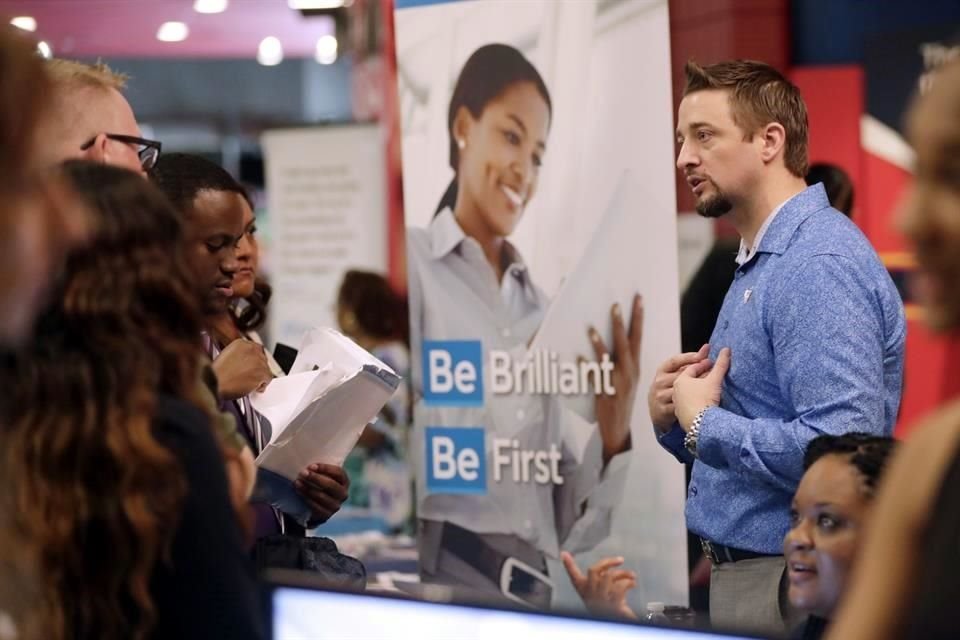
<point>318,412</point>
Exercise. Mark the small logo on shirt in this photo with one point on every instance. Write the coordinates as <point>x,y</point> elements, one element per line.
<point>746,295</point>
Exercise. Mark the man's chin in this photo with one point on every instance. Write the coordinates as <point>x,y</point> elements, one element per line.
<point>714,207</point>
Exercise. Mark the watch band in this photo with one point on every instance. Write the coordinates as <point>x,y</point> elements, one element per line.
<point>690,440</point>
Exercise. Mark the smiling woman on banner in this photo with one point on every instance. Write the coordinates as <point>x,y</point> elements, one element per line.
<point>507,476</point>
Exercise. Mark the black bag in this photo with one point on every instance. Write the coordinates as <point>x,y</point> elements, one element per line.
<point>319,556</point>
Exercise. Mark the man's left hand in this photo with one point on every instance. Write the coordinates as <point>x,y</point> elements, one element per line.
<point>324,488</point>
<point>699,386</point>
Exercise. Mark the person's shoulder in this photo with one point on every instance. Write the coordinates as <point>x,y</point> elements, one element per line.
<point>919,465</point>
<point>828,241</point>
<point>178,413</point>
<point>181,425</point>
<point>418,237</point>
<point>419,246</point>
<point>827,231</point>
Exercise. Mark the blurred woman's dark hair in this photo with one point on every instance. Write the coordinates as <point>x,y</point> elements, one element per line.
<point>93,498</point>
<point>837,183</point>
<point>254,314</point>
<point>486,75</point>
<point>379,311</point>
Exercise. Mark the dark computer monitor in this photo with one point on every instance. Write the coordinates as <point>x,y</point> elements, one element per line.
<point>304,610</point>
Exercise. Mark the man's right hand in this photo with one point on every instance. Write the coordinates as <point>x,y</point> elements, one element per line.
<point>660,396</point>
<point>241,368</point>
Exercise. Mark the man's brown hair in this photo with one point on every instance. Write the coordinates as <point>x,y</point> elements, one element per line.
<point>759,95</point>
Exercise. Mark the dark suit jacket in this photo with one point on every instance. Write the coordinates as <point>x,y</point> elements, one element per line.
<point>208,588</point>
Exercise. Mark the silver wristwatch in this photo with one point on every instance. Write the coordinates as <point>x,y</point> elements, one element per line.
<point>690,440</point>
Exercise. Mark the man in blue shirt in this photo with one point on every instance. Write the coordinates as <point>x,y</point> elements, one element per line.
<point>810,338</point>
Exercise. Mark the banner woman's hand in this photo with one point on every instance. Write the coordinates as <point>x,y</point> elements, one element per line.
<point>614,411</point>
<point>604,588</point>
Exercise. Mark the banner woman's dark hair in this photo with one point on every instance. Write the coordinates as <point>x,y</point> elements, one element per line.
<point>487,74</point>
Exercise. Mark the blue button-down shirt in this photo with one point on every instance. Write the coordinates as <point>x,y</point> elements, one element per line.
<point>816,331</point>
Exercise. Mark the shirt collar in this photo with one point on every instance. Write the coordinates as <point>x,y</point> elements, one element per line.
<point>447,236</point>
<point>774,237</point>
<point>746,253</point>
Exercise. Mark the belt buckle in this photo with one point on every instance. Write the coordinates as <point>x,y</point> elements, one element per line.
<point>516,571</point>
<point>709,551</point>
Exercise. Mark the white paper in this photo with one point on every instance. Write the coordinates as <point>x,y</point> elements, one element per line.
<point>323,346</point>
<point>319,411</point>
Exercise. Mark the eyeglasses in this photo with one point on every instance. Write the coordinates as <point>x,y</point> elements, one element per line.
<point>148,150</point>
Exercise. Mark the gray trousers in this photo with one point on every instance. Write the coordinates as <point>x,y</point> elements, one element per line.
<point>751,596</point>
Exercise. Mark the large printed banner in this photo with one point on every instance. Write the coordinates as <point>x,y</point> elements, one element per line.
<point>539,201</point>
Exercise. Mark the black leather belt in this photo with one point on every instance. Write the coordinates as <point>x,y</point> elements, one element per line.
<point>524,581</point>
<point>720,554</point>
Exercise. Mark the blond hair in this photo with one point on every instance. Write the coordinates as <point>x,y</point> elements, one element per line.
<point>75,74</point>
<point>77,89</point>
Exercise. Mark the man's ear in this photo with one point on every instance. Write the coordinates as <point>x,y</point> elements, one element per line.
<point>97,152</point>
<point>773,137</point>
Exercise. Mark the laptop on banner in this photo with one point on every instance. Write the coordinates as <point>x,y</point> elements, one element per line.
<point>301,610</point>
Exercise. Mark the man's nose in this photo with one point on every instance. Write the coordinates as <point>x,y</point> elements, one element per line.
<point>229,265</point>
<point>686,157</point>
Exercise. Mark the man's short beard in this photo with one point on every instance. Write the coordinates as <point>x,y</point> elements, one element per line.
<point>714,206</point>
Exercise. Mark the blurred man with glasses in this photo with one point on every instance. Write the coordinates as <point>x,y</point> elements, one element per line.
<point>90,119</point>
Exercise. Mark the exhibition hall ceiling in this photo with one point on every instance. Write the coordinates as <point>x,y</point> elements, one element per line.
<point>129,28</point>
